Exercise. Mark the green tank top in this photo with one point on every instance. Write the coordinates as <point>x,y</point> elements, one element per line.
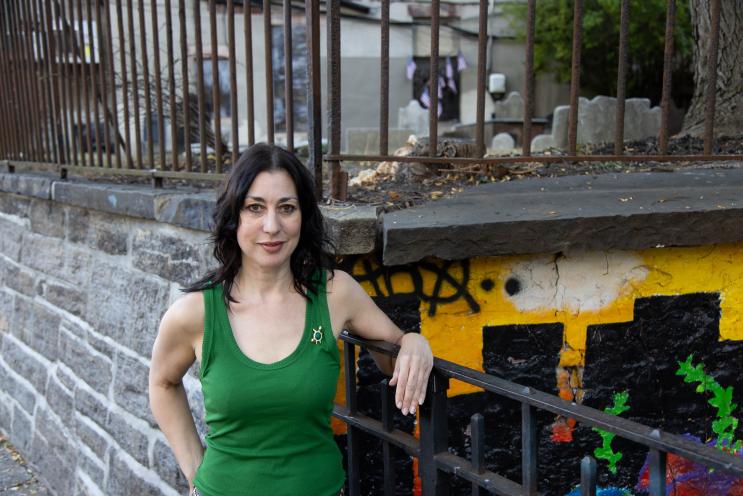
<point>269,424</point>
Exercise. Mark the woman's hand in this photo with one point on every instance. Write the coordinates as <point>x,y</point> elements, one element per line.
<point>412,368</point>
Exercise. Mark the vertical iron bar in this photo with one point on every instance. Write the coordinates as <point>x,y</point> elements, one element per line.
<point>433,89</point>
<point>24,77</point>
<point>4,126</point>
<point>334,99</point>
<point>112,82</point>
<point>216,104</point>
<point>146,82</point>
<point>185,83</point>
<point>200,83</point>
<point>477,441</point>
<point>268,44</point>
<point>384,81</point>
<point>50,54</point>
<point>88,146</point>
<point>77,70</point>
<point>588,476</point>
<point>248,34</point>
<point>665,102</point>
<point>12,127</point>
<point>48,105</point>
<point>158,86</point>
<point>124,83</point>
<point>531,19</point>
<point>621,78</point>
<point>103,83</point>
<point>94,59</point>
<point>482,41</point>
<point>575,78</point>
<point>388,408</point>
<point>63,81</point>
<point>71,70</point>
<point>352,439</point>
<point>529,449</point>
<point>314,134</point>
<point>288,76</point>
<point>233,79</point>
<point>23,55</point>
<point>714,44</point>
<point>433,435</point>
<point>135,81</point>
<point>657,464</point>
<point>171,87</point>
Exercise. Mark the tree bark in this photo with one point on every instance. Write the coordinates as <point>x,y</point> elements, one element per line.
<point>729,92</point>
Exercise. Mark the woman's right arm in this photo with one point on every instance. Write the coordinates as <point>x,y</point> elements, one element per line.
<point>180,333</point>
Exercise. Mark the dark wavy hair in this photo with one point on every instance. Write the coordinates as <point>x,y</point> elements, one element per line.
<point>314,250</point>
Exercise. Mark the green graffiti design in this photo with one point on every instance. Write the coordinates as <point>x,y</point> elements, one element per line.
<point>605,452</point>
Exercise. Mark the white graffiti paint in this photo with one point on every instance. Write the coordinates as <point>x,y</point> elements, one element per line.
<point>575,282</point>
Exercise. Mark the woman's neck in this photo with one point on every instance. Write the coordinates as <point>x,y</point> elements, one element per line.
<point>262,283</point>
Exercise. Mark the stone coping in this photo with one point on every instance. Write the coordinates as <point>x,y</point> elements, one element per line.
<point>689,207</point>
<point>609,211</point>
<point>353,229</point>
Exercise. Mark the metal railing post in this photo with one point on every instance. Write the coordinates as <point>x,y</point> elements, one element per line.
<point>588,476</point>
<point>352,436</point>
<point>529,448</point>
<point>433,436</point>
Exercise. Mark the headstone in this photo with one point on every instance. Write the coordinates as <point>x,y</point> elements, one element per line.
<point>510,107</point>
<point>502,142</point>
<point>542,142</point>
<point>413,117</point>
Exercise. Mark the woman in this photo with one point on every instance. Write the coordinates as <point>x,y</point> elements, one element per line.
<point>263,327</point>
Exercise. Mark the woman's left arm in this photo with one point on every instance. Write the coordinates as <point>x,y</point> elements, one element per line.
<point>363,317</point>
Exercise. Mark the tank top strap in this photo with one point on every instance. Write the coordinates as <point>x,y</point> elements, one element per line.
<point>212,298</point>
<point>321,313</point>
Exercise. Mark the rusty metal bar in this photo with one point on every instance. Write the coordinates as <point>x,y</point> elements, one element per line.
<point>536,158</point>
<point>575,78</point>
<point>200,83</point>
<point>112,82</point>
<point>70,71</point>
<point>38,10</point>
<point>23,57</point>
<point>268,44</point>
<point>77,77</point>
<point>314,134</point>
<point>63,80</point>
<point>85,95</point>
<point>185,83</point>
<point>531,18</point>
<point>711,97</point>
<point>665,102</point>
<point>94,49</point>
<point>433,88</point>
<point>50,56</point>
<point>124,83</point>
<point>384,80</point>
<point>158,86</point>
<point>233,79</point>
<point>103,84</point>
<point>334,98</point>
<point>482,45</point>
<point>11,128</point>
<point>621,78</point>
<point>5,126</point>
<point>135,82</point>
<point>216,107</point>
<point>171,88</point>
<point>146,82</point>
<point>288,76</point>
<point>248,34</point>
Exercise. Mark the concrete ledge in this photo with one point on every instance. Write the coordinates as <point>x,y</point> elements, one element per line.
<point>612,211</point>
<point>353,229</point>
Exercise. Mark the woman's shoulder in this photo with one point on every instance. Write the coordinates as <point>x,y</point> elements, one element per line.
<point>186,314</point>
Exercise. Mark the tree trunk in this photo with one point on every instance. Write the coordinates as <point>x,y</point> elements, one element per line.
<point>729,106</point>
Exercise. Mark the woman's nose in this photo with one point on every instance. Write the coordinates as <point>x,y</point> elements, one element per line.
<point>271,222</point>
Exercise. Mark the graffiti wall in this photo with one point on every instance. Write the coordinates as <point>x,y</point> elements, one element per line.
<point>585,326</point>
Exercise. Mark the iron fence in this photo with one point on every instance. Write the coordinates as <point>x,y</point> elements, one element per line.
<point>436,464</point>
<point>87,86</point>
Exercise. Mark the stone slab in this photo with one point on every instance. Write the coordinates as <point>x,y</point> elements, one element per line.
<point>118,199</point>
<point>353,229</point>
<point>37,185</point>
<point>611,211</point>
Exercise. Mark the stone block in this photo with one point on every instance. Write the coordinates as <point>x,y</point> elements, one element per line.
<point>19,278</point>
<point>56,467</point>
<point>92,436</point>
<point>127,306</point>
<point>47,218</point>
<point>91,405</point>
<point>124,479</point>
<point>56,433</point>
<point>60,400</point>
<point>17,390</point>
<point>352,229</point>
<point>67,378</point>
<point>38,327</point>
<point>94,470</point>
<point>27,184</point>
<point>15,205</point>
<point>77,223</point>
<point>131,440</point>
<point>90,366</point>
<point>169,256</point>
<point>21,430</point>
<point>193,211</point>
<point>6,414</point>
<point>136,201</point>
<point>25,364</point>
<point>12,239</point>
<point>7,311</point>
<point>108,233</point>
<point>64,296</point>
<point>503,142</point>
<point>166,467</point>
<point>79,266</point>
<point>131,385</point>
<point>42,253</point>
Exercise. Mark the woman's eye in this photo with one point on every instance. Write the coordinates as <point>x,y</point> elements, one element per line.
<point>253,207</point>
<point>287,209</point>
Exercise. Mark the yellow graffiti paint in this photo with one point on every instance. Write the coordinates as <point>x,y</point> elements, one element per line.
<point>575,289</point>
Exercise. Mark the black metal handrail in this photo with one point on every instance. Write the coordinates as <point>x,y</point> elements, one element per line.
<point>436,463</point>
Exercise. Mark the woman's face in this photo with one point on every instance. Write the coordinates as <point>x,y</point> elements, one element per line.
<point>270,220</point>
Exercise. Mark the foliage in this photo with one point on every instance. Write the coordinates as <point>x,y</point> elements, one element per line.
<point>605,452</point>
<point>722,399</point>
<point>600,45</point>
